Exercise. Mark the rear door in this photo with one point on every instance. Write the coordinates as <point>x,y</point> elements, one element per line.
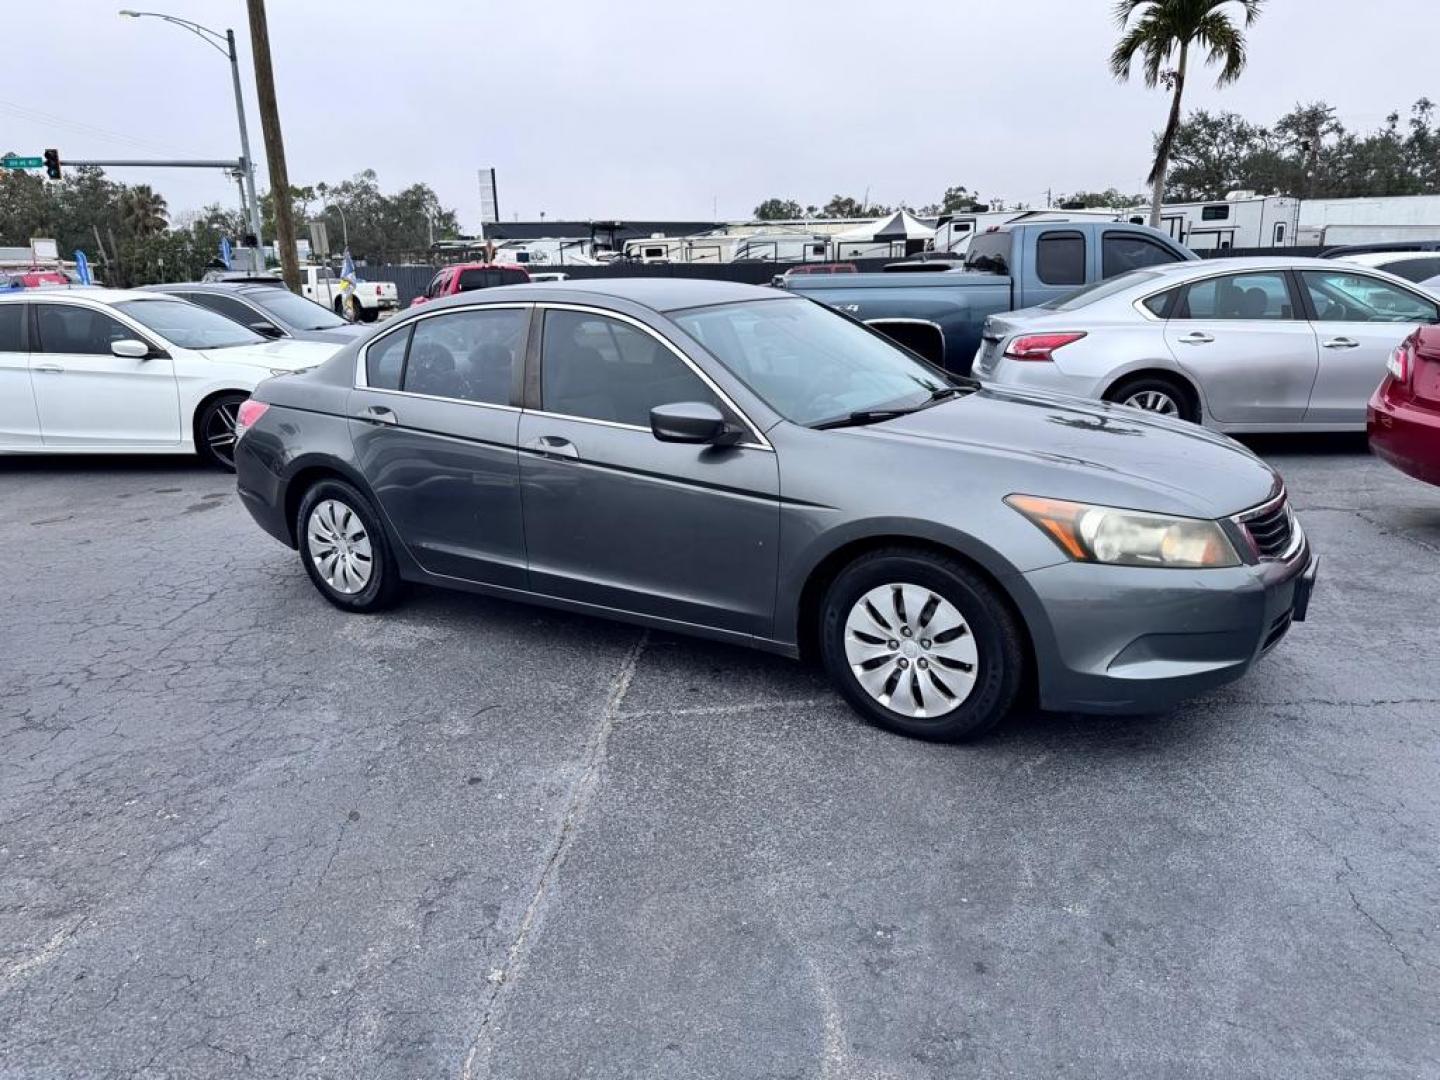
<point>433,419</point>
<point>1359,319</point>
<point>616,518</point>
<point>19,419</point>
<point>1245,341</point>
<point>86,395</point>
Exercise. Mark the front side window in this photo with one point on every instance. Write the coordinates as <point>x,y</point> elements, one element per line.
<point>467,355</point>
<point>1338,296</point>
<point>67,328</point>
<point>1238,297</point>
<point>187,325</point>
<point>807,362</point>
<point>1123,252</point>
<point>1060,258</point>
<point>600,368</point>
<point>12,317</point>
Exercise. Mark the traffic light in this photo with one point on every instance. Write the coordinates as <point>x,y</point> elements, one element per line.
<point>52,164</point>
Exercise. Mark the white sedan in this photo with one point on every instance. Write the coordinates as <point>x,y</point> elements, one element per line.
<point>1239,345</point>
<point>110,371</point>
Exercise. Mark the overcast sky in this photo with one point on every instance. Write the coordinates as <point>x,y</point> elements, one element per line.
<point>671,108</point>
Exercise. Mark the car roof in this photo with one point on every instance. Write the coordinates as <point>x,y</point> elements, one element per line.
<point>1244,262</point>
<point>656,293</point>
<point>209,286</point>
<point>1384,258</point>
<point>81,292</point>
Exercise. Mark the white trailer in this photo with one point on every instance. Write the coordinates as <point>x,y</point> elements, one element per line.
<point>954,231</point>
<point>1242,219</point>
<point>1385,219</point>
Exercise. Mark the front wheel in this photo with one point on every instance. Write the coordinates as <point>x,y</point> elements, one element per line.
<point>215,431</point>
<point>922,645</point>
<point>344,548</point>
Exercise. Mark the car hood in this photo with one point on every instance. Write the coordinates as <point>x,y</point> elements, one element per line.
<point>1099,451</point>
<point>276,355</point>
<point>338,335</point>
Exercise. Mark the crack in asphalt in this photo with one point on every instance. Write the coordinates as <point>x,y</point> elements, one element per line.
<point>582,793</point>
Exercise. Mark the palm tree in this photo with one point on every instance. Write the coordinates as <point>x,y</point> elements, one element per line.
<point>1167,27</point>
<point>144,211</point>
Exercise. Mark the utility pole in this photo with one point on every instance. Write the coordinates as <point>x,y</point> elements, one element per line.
<point>274,144</point>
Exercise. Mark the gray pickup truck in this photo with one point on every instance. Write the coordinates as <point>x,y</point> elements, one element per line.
<point>938,311</point>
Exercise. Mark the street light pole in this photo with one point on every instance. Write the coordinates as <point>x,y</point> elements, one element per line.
<point>213,38</point>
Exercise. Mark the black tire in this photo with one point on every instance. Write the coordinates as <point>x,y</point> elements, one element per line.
<point>366,315</point>
<point>1000,655</point>
<point>1186,405</point>
<point>383,586</point>
<point>215,431</point>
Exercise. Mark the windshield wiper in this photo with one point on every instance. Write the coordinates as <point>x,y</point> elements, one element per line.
<point>873,416</point>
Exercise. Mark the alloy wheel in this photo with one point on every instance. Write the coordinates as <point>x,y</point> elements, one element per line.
<point>911,650</point>
<point>1156,401</point>
<point>219,433</point>
<point>339,546</point>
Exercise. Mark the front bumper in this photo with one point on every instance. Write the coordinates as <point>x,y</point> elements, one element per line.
<point>1114,639</point>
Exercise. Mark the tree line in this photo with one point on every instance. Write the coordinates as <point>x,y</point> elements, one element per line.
<point>131,238</point>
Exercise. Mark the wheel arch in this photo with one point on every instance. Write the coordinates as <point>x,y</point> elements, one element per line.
<point>1008,585</point>
<point>207,400</point>
<point>306,473</point>
<point>1155,370</point>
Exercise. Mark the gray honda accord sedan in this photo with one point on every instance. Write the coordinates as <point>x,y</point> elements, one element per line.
<point>751,466</point>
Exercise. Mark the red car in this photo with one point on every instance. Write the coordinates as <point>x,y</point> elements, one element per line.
<point>1404,414</point>
<point>29,279</point>
<point>462,277</point>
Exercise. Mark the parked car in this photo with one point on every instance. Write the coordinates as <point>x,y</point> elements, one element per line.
<point>939,315</point>
<point>780,281</point>
<point>256,277</point>
<point>270,312</point>
<point>33,278</point>
<point>1240,345</point>
<point>547,276</point>
<point>114,371</point>
<point>746,465</point>
<point>1404,414</point>
<point>466,277</point>
<point>370,298</point>
<point>1414,266</point>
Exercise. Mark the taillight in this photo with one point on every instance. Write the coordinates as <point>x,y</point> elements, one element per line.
<point>1399,363</point>
<point>1039,346</point>
<point>250,411</point>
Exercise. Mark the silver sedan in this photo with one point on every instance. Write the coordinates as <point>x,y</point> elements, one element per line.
<point>1240,345</point>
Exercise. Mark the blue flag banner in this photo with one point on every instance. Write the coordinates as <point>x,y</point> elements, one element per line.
<point>225,251</point>
<point>82,268</point>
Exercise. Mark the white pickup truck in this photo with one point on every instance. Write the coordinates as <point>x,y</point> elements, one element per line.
<point>323,285</point>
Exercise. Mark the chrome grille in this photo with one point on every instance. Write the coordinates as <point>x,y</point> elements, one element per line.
<point>1271,528</point>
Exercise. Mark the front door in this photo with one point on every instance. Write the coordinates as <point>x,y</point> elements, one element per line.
<point>86,395</point>
<point>1359,320</point>
<point>434,434</point>
<point>1245,340</point>
<point>616,518</point>
<point>19,420</point>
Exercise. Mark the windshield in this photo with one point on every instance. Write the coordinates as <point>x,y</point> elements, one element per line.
<point>1098,291</point>
<point>188,325</point>
<point>807,362</point>
<point>295,311</point>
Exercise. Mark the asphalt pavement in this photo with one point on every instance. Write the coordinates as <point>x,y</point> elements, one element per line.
<point>244,834</point>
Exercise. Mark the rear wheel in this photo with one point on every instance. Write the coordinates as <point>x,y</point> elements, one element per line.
<point>922,645</point>
<point>344,548</point>
<point>364,314</point>
<point>1157,394</point>
<point>215,431</point>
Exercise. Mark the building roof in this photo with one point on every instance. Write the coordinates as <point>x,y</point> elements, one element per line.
<point>570,230</point>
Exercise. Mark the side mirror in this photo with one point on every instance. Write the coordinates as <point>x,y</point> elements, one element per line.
<point>265,329</point>
<point>130,349</point>
<point>690,422</point>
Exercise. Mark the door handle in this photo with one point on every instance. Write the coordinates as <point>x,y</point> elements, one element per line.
<point>1196,337</point>
<point>554,446</point>
<point>379,414</point>
<point>50,368</point>
<point>1342,343</point>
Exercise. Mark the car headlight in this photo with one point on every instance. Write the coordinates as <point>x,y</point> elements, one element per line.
<point>1104,534</point>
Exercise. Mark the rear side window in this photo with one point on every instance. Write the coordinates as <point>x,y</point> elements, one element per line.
<point>989,253</point>
<point>1238,296</point>
<point>1060,258</point>
<point>1160,302</point>
<point>1123,252</point>
<point>66,328</point>
<point>11,318</point>
<point>465,355</point>
<point>385,361</point>
<point>225,305</point>
<point>603,369</point>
